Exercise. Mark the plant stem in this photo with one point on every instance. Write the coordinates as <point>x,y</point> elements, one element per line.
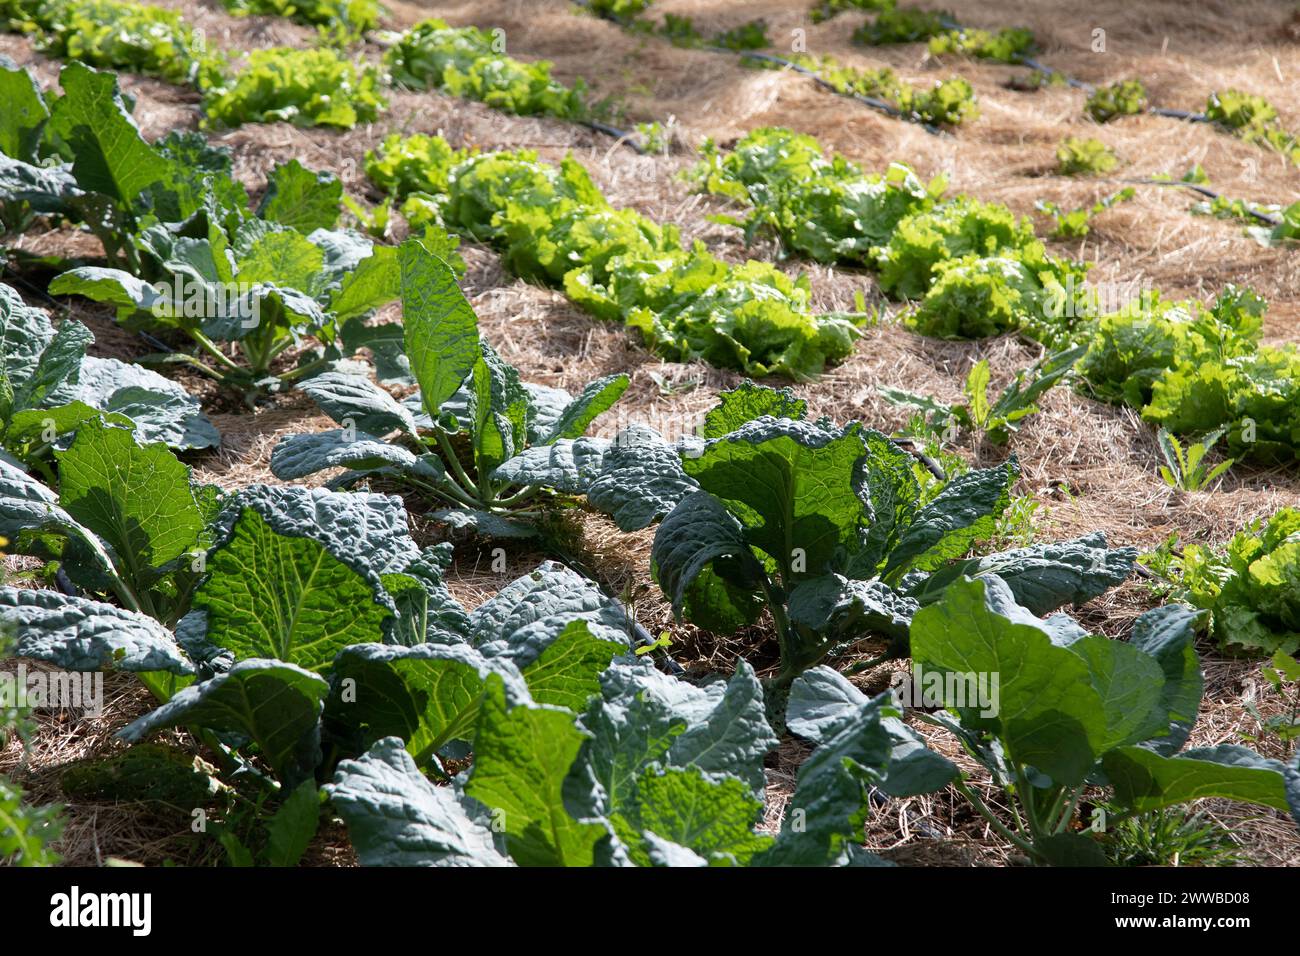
<point>183,359</point>
<point>861,666</point>
<point>988,815</point>
<point>789,669</point>
<point>1054,810</point>
<point>454,463</point>
<point>211,348</point>
<point>452,495</point>
<point>303,371</point>
<point>528,491</point>
<point>125,594</point>
<point>1025,797</point>
<point>1068,814</point>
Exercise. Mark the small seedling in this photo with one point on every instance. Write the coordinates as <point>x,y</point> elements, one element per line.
<point>1187,470</point>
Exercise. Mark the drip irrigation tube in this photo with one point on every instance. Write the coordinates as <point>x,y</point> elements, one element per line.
<point>1200,190</point>
<point>1033,64</point>
<point>625,137</point>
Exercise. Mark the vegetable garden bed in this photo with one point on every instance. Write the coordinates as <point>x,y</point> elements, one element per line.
<point>528,490</point>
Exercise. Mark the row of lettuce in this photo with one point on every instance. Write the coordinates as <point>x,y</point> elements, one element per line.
<point>324,87</point>
<point>321,86</point>
<point>974,268</point>
<point>174,223</point>
<point>1243,114</point>
<point>536,729</point>
<point>944,103</point>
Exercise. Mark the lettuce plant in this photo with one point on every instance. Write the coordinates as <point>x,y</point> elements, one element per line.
<point>1269,224</point>
<point>554,225</point>
<point>138,37</point>
<point>910,255</point>
<point>128,36</point>
<point>1193,370</point>
<point>910,259</point>
<point>342,19</point>
<point>1077,155</point>
<point>947,103</point>
<point>825,528</point>
<point>681,31</point>
<point>1256,396</point>
<point>467,61</point>
<point>1072,712</point>
<point>750,35</point>
<point>976,297</point>
<point>1252,118</point>
<point>622,9</point>
<point>314,87</point>
<point>468,397</point>
<point>1076,223</point>
<point>1129,350</point>
<point>826,209</point>
<point>907,25</point>
<point>1125,98</point>
<point>824,10</point>
<point>1250,586</point>
<point>1010,45</point>
<point>979,267</point>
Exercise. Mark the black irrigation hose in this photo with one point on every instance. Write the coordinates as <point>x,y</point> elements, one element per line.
<point>1053,71</point>
<point>624,137</point>
<point>1200,190</point>
<point>933,467</point>
<point>1186,116</point>
<point>156,343</point>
